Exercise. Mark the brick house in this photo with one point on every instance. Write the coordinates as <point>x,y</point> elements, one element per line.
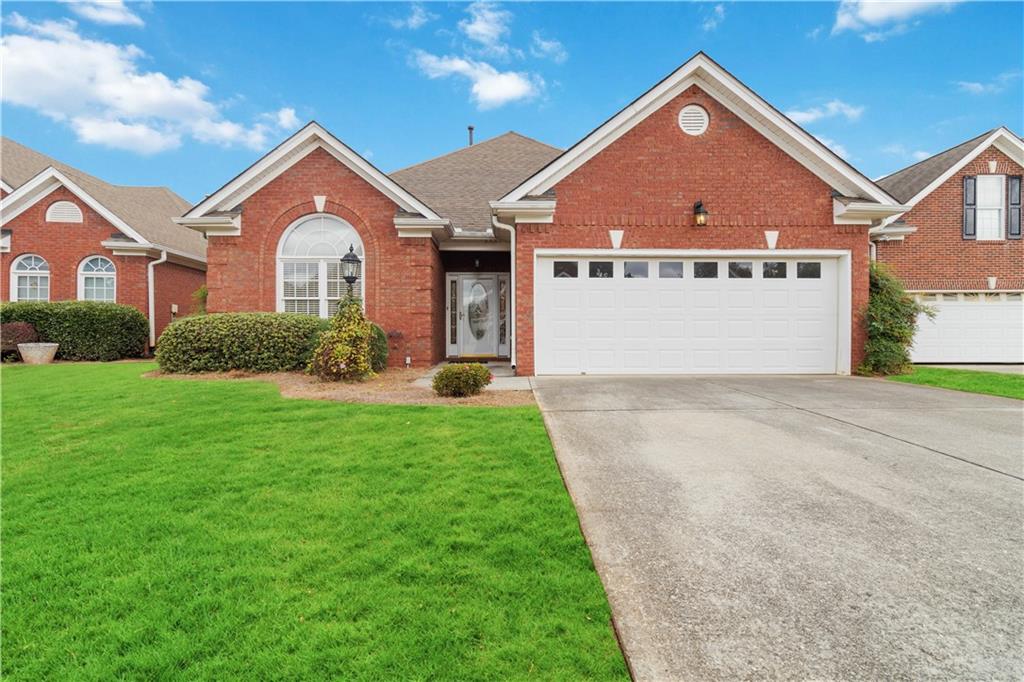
<point>698,230</point>
<point>70,236</point>
<point>959,249</point>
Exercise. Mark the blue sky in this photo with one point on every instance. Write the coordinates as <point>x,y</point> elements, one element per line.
<point>188,94</point>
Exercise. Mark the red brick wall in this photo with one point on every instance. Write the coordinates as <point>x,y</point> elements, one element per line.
<point>400,274</point>
<point>645,183</point>
<point>937,257</point>
<point>65,245</point>
<point>174,284</point>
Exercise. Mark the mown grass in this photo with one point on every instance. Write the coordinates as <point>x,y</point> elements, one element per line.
<point>971,381</point>
<point>164,529</point>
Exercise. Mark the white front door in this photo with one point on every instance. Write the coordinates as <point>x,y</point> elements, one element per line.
<point>478,316</point>
<point>686,315</point>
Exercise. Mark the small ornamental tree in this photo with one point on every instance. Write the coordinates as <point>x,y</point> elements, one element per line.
<point>891,321</point>
<point>344,352</point>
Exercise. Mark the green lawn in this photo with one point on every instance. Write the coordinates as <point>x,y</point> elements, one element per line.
<point>165,529</point>
<point>991,383</point>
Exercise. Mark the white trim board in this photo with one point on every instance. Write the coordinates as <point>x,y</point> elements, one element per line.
<point>311,136</point>
<point>734,95</point>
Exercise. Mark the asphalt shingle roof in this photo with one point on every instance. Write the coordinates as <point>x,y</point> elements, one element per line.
<point>460,185</point>
<point>905,184</point>
<point>148,210</point>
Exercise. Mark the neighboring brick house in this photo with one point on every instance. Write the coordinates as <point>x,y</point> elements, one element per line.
<point>70,236</point>
<point>959,248</point>
<point>698,230</point>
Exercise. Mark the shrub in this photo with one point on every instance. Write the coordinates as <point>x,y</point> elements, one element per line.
<point>13,333</point>
<point>344,351</point>
<point>199,297</point>
<point>461,380</point>
<point>85,330</point>
<point>252,342</point>
<point>378,349</point>
<point>891,321</point>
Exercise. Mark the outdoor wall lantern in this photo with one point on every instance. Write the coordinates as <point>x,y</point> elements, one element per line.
<point>700,214</point>
<point>350,267</point>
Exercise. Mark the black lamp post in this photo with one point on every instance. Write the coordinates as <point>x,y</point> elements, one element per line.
<point>350,268</point>
<point>700,214</point>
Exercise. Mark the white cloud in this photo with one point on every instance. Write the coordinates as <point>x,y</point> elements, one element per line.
<point>833,145</point>
<point>902,152</point>
<point>831,109</point>
<point>418,17</point>
<point>878,20</point>
<point>488,27</point>
<point>490,88</point>
<point>548,49</point>
<point>99,90</point>
<point>110,12</point>
<point>815,32</point>
<point>286,119</point>
<point>994,86</point>
<point>712,20</point>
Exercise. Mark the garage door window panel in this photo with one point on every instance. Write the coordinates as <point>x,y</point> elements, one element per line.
<point>566,269</point>
<point>808,270</point>
<point>741,270</point>
<point>773,270</point>
<point>705,270</point>
<point>669,269</point>
<point>602,269</point>
<point>635,269</point>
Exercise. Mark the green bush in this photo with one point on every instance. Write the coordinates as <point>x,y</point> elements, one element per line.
<point>251,342</point>
<point>891,321</point>
<point>85,330</point>
<point>458,381</point>
<point>199,297</point>
<point>378,349</point>
<point>344,351</point>
<point>13,333</point>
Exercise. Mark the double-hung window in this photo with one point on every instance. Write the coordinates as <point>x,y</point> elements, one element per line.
<point>990,207</point>
<point>30,279</point>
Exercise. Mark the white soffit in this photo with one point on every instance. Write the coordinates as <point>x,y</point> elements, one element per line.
<point>288,153</point>
<point>702,71</point>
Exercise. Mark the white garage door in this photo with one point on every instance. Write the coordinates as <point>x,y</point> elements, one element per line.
<point>971,327</point>
<point>608,315</point>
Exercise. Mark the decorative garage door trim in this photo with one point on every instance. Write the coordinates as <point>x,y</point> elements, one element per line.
<point>836,291</point>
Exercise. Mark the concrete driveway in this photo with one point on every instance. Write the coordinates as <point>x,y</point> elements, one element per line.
<point>799,527</point>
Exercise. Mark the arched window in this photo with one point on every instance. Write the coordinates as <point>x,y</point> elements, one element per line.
<point>30,278</point>
<point>97,280</point>
<point>63,212</point>
<point>309,265</point>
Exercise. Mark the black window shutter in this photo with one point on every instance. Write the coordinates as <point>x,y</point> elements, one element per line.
<point>970,232</point>
<point>1013,203</point>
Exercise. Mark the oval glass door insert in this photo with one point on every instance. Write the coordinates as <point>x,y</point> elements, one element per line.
<point>477,310</point>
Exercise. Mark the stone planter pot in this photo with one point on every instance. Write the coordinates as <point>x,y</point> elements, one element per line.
<point>37,353</point>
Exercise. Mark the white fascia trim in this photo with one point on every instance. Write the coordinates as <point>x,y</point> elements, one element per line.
<point>1004,141</point>
<point>891,232</point>
<point>213,226</point>
<point>315,133</point>
<point>475,245</point>
<point>863,212</point>
<point>525,211</point>
<point>423,228</point>
<point>702,71</point>
<point>121,248</point>
<point>7,188</point>
<point>46,182</point>
<point>694,253</point>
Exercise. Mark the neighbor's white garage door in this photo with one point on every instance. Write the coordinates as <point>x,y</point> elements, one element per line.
<point>971,327</point>
<point>605,315</point>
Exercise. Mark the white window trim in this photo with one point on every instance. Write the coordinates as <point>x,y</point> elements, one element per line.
<point>1001,236</point>
<point>82,275</point>
<point>322,273</point>
<point>15,274</point>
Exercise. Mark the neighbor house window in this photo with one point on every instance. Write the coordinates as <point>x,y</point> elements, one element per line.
<point>989,207</point>
<point>30,279</point>
<point>309,265</point>
<point>97,280</point>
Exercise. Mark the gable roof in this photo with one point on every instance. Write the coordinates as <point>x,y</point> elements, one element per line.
<point>461,184</point>
<point>738,98</point>
<point>916,181</point>
<point>283,156</point>
<point>143,213</point>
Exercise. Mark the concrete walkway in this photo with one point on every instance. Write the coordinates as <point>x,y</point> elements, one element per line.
<point>799,527</point>
<point>1002,369</point>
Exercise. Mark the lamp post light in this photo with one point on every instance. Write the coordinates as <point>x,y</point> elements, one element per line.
<point>350,268</point>
<point>700,214</point>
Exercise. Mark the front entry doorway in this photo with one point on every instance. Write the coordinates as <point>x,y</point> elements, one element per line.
<point>477,311</point>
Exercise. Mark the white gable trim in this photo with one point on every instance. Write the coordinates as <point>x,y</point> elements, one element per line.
<point>314,136</point>
<point>7,188</point>
<point>738,98</point>
<point>43,184</point>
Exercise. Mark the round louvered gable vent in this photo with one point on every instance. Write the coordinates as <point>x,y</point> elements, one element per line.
<point>693,119</point>
<point>63,212</point>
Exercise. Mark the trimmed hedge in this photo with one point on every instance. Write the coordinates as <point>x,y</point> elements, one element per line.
<point>85,330</point>
<point>252,342</point>
<point>461,380</point>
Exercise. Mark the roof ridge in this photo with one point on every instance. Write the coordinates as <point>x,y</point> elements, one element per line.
<point>468,147</point>
<point>985,134</point>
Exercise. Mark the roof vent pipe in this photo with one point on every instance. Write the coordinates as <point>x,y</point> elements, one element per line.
<point>470,135</point>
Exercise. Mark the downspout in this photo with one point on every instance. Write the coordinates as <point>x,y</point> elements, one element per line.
<point>150,279</point>
<point>512,284</point>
